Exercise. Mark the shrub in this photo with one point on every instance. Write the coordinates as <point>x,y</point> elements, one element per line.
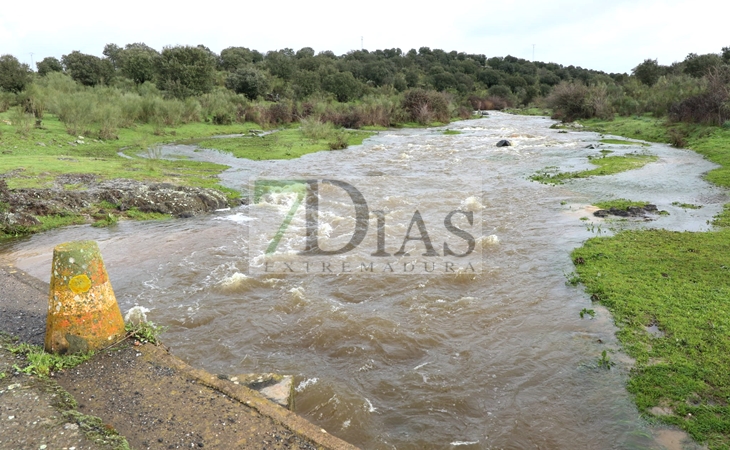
<point>76,111</point>
<point>6,99</point>
<point>280,113</point>
<point>109,117</point>
<point>347,117</point>
<point>22,121</point>
<point>599,104</point>
<point>499,103</point>
<point>338,141</point>
<point>130,109</point>
<point>670,90</point>
<point>426,106</point>
<point>59,83</point>
<point>677,138</point>
<point>570,101</point>
<point>710,107</point>
<point>256,114</point>
<point>315,129</point>
<point>191,111</point>
<point>171,112</point>
<point>33,101</point>
<point>150,109</point>
<point>378,110</point>
<point>220,106</point>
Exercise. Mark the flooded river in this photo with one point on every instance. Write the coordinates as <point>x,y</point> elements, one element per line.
<point>499,359</point>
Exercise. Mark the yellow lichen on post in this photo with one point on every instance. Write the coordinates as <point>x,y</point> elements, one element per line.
<point>83,313</point>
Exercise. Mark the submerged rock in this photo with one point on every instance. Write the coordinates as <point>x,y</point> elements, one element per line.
<point>563,125</point>
<point>277,388</point>
<point>631,211</point>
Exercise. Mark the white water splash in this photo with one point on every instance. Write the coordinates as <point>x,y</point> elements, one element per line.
<point>472,204</point>
<point>370,406</point>
<point>306,383</point>
<point>136,315</point>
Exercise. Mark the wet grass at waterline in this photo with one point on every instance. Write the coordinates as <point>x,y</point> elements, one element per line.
<point>678,284</point>
<point>622,142</point>
<point>669,293</point>
<point>620,203</point>
<point>284,144</point>
<point>709,141</point>
<point>686,205</point>
<point>607,165</point>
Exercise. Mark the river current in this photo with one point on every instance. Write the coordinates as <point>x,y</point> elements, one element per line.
<point>499,358</point>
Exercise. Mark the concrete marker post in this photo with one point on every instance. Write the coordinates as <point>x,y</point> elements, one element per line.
<point>83,313</point>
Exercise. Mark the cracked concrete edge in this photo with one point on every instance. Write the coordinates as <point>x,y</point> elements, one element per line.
<point>297,424</point>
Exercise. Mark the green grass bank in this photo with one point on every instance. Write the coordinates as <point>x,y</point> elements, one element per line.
<point>669,293</point>
<point>48,157</point>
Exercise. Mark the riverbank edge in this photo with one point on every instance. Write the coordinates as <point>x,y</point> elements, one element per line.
<point>158,356</point>
<point>647,316</point>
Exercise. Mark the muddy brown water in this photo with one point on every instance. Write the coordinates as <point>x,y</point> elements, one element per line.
<point>498,360</point>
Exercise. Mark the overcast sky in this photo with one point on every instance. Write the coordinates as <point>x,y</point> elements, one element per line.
<point>608,35</point>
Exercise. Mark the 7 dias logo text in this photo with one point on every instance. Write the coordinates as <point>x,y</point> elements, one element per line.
<point>366,225</point>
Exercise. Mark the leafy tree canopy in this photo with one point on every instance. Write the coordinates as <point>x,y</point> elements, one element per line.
<point>14,76</point>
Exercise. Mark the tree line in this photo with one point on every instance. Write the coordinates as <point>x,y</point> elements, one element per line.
<point>417,85</point>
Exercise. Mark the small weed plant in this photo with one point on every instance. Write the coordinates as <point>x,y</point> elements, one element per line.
<point>604,362</point>
<point>42,364</point>
<point>145,332</point>
<point>586,311</point>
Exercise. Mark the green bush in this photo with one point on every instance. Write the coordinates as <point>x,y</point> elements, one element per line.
<point>191,110</point>
<point>570,101</point>
<point>379,110</point>
<point>220,106</point>
<point>76,111</point>
<point>58,83</point>
<point>338,140</point>
<point>424,106</point>
<point>109,118</point>
<point>22,121</point>
<point>130,109</point>
<point>315,129</point>
<point>280,113</point>
<point>6,99</point>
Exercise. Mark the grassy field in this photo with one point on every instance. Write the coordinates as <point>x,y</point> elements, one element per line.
<point>34,157</point>
<point>285,144</point>
<point>669,294</point>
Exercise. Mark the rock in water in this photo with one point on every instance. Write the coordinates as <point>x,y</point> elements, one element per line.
<point>504,143</point>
